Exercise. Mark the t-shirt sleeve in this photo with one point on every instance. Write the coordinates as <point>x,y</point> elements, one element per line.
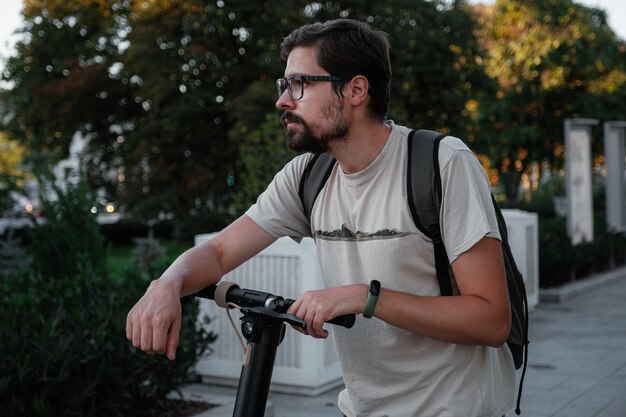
<point>278,210</point>
<point>467,213</point>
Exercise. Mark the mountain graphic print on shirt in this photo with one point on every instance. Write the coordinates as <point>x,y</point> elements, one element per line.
<point>345,234</point>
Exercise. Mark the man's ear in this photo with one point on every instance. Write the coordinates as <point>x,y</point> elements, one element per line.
<point>357,90</point>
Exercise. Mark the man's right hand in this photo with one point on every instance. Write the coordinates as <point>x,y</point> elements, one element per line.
<point>153,324</point>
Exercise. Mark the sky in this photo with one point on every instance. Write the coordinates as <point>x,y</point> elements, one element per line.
<point>10,20</point>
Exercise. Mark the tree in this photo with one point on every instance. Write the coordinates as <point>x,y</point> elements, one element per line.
<point>176,152</point>
<point>62,85</point>
<point>177,97</point>
<point>204,74</point>
<point>549,60</point>
<point>435,73</point>
<point>60,75</point>
<point>11,174</point>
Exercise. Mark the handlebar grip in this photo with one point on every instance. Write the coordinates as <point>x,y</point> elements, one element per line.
<point>221,293</point>
<point>227,292</point>
<point>346,321</point>
<point>208,292</point>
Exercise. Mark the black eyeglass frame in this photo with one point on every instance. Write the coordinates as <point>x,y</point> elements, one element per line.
<point>283,84</point>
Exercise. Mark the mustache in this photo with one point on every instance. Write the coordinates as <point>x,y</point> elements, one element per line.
<point>290,117</point>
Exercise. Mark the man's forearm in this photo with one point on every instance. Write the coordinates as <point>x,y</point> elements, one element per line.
<point>205,264</point>
<point>462,319</point>
<point>194,270</point>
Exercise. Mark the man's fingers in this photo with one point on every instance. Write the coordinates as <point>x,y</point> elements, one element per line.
<point>311,311</point>
<point>173,336</point>
<point>129,327</point>
<point>136,336</point>
<point>153,323</point>
<point>298,329</point>
<point>159,336</point>
<point>146,337</point>
<point>318,329</point>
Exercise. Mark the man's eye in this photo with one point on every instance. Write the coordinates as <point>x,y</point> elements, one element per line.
<point>296,82</point>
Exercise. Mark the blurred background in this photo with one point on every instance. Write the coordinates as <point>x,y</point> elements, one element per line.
<point>168,105</point>
<point>127,127</point>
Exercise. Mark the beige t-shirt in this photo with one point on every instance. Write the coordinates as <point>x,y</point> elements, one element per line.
<point>363,230</point>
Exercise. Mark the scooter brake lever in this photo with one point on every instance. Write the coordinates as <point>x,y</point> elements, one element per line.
<point>263,312</point>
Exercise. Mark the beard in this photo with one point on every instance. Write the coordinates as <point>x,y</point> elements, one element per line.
<point>305,140</point>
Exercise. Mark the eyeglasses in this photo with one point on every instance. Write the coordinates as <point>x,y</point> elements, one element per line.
<point>295,84</point>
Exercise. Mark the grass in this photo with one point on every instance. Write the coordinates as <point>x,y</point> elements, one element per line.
<point>121,257</point>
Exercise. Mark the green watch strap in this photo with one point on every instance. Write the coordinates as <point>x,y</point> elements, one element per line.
<point>372,299</point>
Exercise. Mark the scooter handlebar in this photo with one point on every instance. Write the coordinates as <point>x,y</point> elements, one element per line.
<point>229,292</point>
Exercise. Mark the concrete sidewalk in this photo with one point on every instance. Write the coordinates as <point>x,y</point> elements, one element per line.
<point>577,363</point>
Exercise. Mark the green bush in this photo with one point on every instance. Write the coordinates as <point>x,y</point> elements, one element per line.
<point>64,350</point>
<point>69,239</point>
<point>14,259</point>
<point>560,261</point>
<point>147,252</point>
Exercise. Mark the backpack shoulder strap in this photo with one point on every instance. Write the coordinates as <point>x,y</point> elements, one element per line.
<point>424,195</point>
<point>423,191</point>
<point>313,179</point>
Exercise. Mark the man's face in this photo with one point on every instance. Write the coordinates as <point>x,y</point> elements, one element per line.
<point>317,119</point>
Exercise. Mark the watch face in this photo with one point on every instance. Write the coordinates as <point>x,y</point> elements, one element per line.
<point>374,288</point>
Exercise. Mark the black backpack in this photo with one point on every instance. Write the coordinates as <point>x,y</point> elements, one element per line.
<point>424,195</point>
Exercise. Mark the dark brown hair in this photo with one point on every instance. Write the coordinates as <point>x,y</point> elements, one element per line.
<point>347,48</point>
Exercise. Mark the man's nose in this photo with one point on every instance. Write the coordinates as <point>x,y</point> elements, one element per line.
<point>284,101</point>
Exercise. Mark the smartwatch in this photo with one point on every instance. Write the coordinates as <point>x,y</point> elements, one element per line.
<point>372,298</point>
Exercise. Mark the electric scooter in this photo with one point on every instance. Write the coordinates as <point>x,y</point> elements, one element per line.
<point>263,327</point>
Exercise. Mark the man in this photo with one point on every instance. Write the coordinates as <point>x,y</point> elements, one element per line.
<point>420,354</point>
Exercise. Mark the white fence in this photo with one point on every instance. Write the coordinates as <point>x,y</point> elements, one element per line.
<point>523,228</point>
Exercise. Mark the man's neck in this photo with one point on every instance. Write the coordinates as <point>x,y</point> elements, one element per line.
<point>364,143</point>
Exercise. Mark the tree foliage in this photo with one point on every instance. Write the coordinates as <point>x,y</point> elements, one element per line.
<point>435,73</point>
<point>11,173</point>
<point>176,98</point>
<point>549,60</point>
